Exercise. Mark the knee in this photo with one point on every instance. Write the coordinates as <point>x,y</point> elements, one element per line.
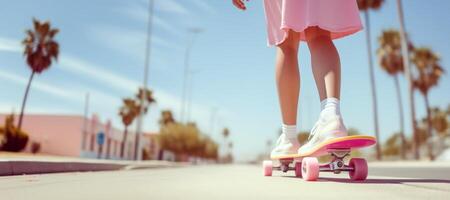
<point>318,41</point>
<point>290,45</point>
<point>317,37</point>
<point>288,48</point>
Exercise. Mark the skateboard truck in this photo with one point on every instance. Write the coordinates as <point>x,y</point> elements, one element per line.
<point>337,164</point>
<point>284,165</point>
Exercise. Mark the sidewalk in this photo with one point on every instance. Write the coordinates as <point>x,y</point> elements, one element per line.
<point>23,163</point>
<point>411,164</point>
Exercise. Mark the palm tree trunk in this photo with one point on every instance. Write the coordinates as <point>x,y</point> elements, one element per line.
<point>408,74</point>
<point>25,97</point>
<point>122,145</point>
<point>400,107</point>
<point>429,128</point>
<point>136,146</point>
<point>372,84</point>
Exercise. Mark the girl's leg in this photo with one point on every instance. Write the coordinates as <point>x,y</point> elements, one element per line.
<point>326,68</point>
<point>325,62</point>
<point>288,86</point>
<point>288,77</point>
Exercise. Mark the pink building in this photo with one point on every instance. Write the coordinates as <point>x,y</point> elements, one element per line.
<point>76,136</point>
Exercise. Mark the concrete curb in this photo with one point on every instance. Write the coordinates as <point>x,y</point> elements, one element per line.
<point>21,167</point>
<point>9,168</point>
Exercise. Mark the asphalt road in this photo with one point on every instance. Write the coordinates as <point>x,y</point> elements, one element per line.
<point>415,172</point>
<point>220,182</point>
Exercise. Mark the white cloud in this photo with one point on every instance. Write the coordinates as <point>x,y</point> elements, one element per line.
<point>104,101</point>
<point>130,43</point>
<point>81,67</point>
<point>173,6</point>
<point>164,100</point>
<point>10,45</point>
<point>47,88</point>
<point>178,7</point>
<point>75,94</point>
<point>6,107</point>
<point>140,14</point>
<point>205,6</point>
<point>84,68</point>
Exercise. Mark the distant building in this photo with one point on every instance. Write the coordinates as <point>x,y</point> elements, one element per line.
<point>77,136</point>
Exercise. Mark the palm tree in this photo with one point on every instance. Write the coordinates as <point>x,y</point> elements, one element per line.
<point>226,134</point>
<point>210,149</point>
<point>365,6</point>
<point>230,146</point>
<point>391,147</point>
<point>149,98</point>
<point>128,112</point>
<point>439,121</point>
<point>166,118</point>
<point>40,50</point>
<point>146,96</point>
<point>430,71</point>
<point>390,59</point>
<point>408,73</point>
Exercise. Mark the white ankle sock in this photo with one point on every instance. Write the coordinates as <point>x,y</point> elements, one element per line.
<point>290,131</point>
<point>330,107</point>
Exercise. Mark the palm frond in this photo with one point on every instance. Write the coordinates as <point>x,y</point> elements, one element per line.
<point>39,46</point>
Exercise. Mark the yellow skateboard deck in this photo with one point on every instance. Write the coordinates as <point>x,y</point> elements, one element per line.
<point>348,142</point>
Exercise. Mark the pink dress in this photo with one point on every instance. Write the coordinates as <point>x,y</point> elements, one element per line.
<point>339,17</point>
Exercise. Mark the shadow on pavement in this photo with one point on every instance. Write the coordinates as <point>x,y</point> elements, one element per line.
<point>386,180</point>
<point>379,180</point>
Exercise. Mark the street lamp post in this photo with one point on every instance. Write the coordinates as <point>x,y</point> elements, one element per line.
<point>190,91</point>
<point>137,152</point>
<point>408,74</point>
<point>214,111</point>
<point>194,32</point>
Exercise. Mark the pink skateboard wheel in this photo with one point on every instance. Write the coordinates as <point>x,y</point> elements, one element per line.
<point>298,169</point>
<point>267,168</point>
<point>360,169</point>
<point>310,168</point>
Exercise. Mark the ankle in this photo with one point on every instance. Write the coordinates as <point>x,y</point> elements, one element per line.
<point>330,107</point>
<point>290,131</point>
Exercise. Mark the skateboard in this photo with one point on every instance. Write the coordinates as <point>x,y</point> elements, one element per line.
<point>307,166</point>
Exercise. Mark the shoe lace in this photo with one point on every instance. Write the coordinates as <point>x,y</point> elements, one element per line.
<point>278,140</point>
<point>315,127</point>
<point>313,131</point>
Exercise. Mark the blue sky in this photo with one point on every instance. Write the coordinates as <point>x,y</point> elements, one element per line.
<point>102,52</point>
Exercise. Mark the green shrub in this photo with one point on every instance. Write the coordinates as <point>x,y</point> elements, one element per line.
<point>13,139</point>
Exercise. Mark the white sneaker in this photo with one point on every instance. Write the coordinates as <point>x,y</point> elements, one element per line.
<point>285,146</point>
<point>323,130</point>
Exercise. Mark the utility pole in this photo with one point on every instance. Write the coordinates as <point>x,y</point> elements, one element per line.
<point>194,32</point>
<point>408,74</point>
<point>190,91</point>
<point>137,152</point>
<point>214,111</point>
